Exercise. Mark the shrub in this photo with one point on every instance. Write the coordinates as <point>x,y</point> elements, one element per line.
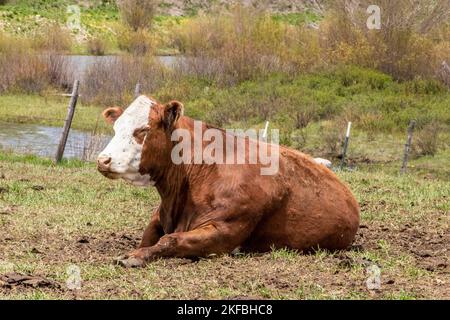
<point>332,138</point>
<point>369,79</point>
<point>53,38</point>
<point>96,46</point>
<point>108,83</point>
<point>137,14</point>
<point>426,141</point>
<point>21,69</point>
<point>421,86</point>
<point>135,42</point>
<point>243,44</point>
<point>405,46</point>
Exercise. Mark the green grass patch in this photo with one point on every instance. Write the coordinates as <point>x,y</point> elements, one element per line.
<point>50,111</point>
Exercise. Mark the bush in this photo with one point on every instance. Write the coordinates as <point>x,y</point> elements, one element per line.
<point>332,137</point>
<point>406,45</point>
<point>426,141</point>
<point>30,73</point>
<point>96,46</point>
<point>137,14</point>
<point>109,83</point>
<point>23,70</point>
<point>135,42</point>
<point>243,44</point>
<point>53,38</point>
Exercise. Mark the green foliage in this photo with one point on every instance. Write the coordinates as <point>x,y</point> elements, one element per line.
<point>368,97</point>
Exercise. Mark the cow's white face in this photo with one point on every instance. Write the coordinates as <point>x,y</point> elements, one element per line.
<point>122,155</point>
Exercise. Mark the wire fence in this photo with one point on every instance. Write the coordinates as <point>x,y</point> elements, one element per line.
<point>44,140</point>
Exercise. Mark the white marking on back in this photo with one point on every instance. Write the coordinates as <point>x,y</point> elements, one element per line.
<point>325,162</point>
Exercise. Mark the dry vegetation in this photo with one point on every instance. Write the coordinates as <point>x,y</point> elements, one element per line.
<point>119,79</point>
<point>412,42</point>
<point>137,16</point>
<point>244,44</point>
<point>225,48</point>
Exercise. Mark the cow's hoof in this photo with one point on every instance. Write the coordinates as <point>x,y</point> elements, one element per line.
<point>131,262</point>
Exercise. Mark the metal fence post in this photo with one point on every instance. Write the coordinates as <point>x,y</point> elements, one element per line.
<point>347,137</point>
<point>68,121</point>
<point>266,128</point>
<point>411,126</point>
<point>137,90</point>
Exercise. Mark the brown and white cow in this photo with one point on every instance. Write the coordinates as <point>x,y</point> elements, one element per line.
<point>215,208</point>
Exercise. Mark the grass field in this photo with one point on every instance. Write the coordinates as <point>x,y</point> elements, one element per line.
<point>52,217</point>
<point>50,111</point>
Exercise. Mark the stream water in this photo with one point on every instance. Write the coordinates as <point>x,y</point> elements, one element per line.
<point>43,141</point>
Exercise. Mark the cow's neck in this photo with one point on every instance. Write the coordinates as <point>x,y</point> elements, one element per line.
<point>174,183</point>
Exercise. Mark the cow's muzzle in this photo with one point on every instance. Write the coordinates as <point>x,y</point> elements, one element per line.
<point>104,164</point>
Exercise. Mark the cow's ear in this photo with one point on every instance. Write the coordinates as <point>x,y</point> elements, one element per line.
<point>112,114</point>
<point>172,112</point>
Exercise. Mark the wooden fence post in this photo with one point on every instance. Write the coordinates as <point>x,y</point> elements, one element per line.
<point>137,90</point>
<point>411,126</point>
<point>347,137</point>
<point>68,121</point>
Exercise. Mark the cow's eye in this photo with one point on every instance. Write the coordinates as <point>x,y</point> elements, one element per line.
<point>140,133</point>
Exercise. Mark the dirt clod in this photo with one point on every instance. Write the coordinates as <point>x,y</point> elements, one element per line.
<point>14,279</point>
<point>83,240</point>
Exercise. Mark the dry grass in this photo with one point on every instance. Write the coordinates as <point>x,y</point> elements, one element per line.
<point>114,83</point>
<point>137,14</point>
<point>412,41</point>
<point>242,44</point>
<point>96,46</point>
<point>24,70</point>
<point>53,38</point>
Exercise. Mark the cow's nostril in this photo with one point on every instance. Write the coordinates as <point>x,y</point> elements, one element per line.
<point>104,162</point>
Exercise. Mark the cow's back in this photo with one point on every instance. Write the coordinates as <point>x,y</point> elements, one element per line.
<point>318,210</point>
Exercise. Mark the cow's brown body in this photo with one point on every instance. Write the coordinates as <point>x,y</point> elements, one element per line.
<point>213,209</point>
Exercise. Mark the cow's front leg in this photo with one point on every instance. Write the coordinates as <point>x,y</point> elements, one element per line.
<point>153,232</point>
<point>201,242</point>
